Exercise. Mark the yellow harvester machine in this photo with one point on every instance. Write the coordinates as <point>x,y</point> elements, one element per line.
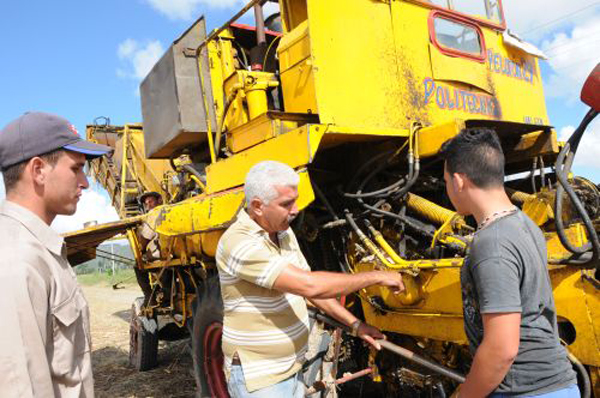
<point>357,96</point>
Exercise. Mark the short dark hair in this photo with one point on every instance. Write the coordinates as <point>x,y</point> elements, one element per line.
<point>477,153</point>
<point>12,174</point>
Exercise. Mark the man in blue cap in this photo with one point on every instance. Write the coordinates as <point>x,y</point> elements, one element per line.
<point>45,339</point>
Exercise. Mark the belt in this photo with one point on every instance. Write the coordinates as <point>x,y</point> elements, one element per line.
<point>236,360</point>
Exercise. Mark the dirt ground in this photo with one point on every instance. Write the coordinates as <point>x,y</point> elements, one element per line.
<point>110,314</point>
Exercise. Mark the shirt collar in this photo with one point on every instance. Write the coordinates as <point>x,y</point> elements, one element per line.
<point>251,226</point>
<point>46,235</point>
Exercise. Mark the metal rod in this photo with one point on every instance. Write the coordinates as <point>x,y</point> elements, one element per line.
<point>349,377</point>
<point>320,386</point>
<point>403,352</point>
<point>396,349</point>
<point>259,18</point>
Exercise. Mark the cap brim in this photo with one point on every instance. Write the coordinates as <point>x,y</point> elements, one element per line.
<point>89,149</point>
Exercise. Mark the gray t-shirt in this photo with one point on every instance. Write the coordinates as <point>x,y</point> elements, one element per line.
<point>506,271</point>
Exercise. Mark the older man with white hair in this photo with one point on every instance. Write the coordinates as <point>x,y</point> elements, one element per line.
<point>265,280</point>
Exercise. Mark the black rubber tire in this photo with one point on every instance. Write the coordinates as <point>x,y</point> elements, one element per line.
<point>208,310</point>
<point>143,345</point>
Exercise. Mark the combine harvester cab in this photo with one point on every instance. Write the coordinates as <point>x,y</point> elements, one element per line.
<point>357,96</point>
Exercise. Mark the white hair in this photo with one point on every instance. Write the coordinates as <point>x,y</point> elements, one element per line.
<point>263,177</point>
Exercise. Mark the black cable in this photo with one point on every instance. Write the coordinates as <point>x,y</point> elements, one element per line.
<point>409,221</point>
<point>374,159</point>
<point>532,174</point>
<point>563,166</point>
<point>586,387</point>
<point>379,192</point>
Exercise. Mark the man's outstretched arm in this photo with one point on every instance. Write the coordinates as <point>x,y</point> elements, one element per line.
<point>322,284</point>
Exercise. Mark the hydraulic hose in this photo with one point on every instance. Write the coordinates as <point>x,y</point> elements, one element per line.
<point>563,166</point>
<point>586,386</point>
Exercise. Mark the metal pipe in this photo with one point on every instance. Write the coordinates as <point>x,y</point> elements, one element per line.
<point>321,386</point>
<point>396,349</point>
<point>259,18</point>
<point>411,356</point>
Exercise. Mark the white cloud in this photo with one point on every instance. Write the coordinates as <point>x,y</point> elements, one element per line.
<point>138,58</point>
<point>523,16</point>
<point>587,151</point>
<point>93,206</point>
<point>572,56</point>
<point>189,9</point>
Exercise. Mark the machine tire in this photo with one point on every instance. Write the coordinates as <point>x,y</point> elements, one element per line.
<point>206,341</point>
<point>143,345</point>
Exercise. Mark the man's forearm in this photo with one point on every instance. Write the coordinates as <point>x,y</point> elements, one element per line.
<point>487,372</point>
<point>332,284</point>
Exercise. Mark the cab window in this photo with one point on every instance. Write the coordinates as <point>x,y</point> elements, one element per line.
<point>457,36</point>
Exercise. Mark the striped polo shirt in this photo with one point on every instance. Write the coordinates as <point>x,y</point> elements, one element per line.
<point>267,329</point>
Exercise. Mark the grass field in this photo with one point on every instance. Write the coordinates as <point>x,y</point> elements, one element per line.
<point>125,277</point>
<point>114,378</point>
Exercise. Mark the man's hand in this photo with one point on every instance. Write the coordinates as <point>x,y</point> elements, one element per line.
<point>391,279</point>
<point>369,334</point>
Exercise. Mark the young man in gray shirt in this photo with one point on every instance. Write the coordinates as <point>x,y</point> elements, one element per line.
<point>509,312</point>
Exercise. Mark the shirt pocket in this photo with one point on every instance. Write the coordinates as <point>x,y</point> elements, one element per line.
<point>70,341</point>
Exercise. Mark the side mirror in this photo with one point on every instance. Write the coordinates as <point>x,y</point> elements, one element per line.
<point>590,94</point>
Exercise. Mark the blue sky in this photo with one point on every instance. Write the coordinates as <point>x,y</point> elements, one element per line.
<point>83,59</point>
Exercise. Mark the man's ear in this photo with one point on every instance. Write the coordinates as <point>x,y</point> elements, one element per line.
<point>459,181</point>
<point>256,206</point>
<point>37,169</point>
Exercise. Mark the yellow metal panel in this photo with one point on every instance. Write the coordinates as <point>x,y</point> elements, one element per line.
<point>459,70</point>
<point>200,214</point>
<point>441,305</point>
<point>258,130</point>
<point>292,148</point>
<point>294,47</point>
<point>522,99</point>
<point>430,139</point>
<point>293,12</point>
<point>298,87</point>
<point>577,301</point>
<point>297,77</point>
<point>206,213</point>
<point>357,80</point>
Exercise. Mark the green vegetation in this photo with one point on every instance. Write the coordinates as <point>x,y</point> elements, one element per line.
<point>125,277</point>
<point>113,264</point>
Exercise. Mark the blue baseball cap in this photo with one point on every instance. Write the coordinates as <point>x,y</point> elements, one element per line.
<point>37,133</point>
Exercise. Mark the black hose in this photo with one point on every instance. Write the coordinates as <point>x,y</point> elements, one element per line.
<point>323,199</point>
<point>563,166</point>
<point>586,387</point>
<point>376,158</point>
<point>217,143</point>
<point>409,221</point>
<point>380,192</point>
<point>532,175</point>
